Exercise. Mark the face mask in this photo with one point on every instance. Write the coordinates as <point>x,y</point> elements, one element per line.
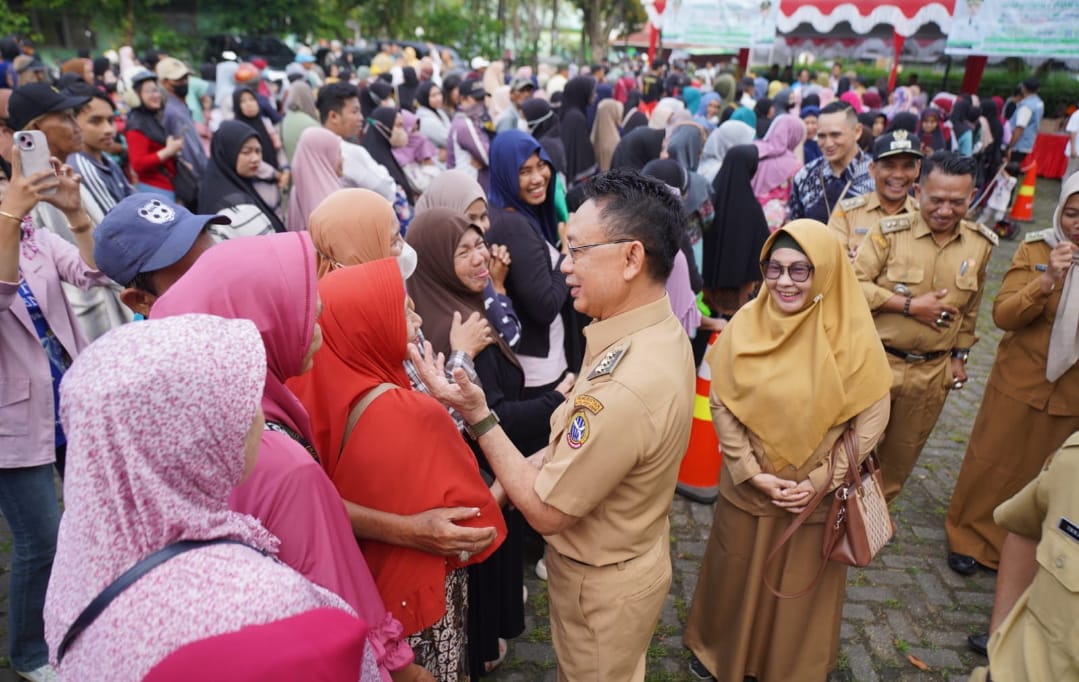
<point>180,90</point>
<point>474,110</point>
<point>408,260</point>
<point>398,138</point>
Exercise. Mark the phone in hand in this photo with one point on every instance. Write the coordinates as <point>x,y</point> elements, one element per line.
<point>34,154</point>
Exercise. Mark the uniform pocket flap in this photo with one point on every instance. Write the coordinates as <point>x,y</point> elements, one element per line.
<point>902,273</point>
<point>1058,554</point>
<point>14,391</point>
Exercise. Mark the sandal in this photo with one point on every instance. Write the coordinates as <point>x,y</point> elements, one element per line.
<point>503,647</point>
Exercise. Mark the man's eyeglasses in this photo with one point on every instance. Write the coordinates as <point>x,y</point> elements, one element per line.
<point>798,272</point>
<point>575,251</point>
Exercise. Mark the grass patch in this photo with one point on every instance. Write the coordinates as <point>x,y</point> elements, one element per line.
<point>892,603</point>
<point>663,631</point>
<point>656,650</point>
<point>914,570</point>
<point>842,661</point>
<point>903,647</point>
<point>541,634</point>
<point>682,609</point>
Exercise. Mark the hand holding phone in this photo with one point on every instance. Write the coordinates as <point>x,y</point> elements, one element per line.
<point>33,150</point>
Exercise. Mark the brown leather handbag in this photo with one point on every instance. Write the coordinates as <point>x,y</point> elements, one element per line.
<point>858,524</point>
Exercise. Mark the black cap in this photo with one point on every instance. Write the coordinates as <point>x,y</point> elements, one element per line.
<point>37,99</point>
<point>895,143</point>
<point>473,87</point>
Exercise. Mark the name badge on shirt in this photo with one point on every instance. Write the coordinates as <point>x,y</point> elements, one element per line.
<point>1069,528</point>
<point>1041,267</point>
<point>861,230</point>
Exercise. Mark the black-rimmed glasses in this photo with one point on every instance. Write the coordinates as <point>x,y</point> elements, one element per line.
<point>574,250</point>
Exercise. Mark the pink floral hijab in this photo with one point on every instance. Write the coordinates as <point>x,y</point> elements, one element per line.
<point>271,281</point>
<point>154,451</point>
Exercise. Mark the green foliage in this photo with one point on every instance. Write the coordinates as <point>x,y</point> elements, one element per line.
<point>453,24</point>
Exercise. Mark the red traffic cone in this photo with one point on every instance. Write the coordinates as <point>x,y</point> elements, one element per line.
<point>698,477</point>
<point>1023,209</point>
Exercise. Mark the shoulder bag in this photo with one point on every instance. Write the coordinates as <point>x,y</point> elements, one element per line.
<point>858,524</point>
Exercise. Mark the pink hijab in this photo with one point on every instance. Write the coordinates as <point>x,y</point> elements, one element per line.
<point>173,424</point>
<point>852,98</point>
<point>419,148</point>
<point>778,162</point>
<point>271,281</point>
<point>314,174</point>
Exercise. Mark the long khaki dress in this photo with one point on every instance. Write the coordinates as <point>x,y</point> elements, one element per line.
<point>736,626</point>
<point>1023,417</point>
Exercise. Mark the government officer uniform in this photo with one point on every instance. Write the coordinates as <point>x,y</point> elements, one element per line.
<point>616,445</point>
<point>853,218</point>
<point>901,256</point>
<point>1039,639</point>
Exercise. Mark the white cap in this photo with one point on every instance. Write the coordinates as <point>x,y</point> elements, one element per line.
<point>479,63</point>
<point>229,56</point>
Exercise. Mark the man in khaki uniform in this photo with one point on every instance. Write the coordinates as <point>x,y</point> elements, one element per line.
<point>601,490</point>
<point>895,167</point>
<point>923,277</point>
<point>1039,638</point>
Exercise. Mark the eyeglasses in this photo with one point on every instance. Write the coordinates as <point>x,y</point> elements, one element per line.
<point>798,272</point>
<point>574,251</point>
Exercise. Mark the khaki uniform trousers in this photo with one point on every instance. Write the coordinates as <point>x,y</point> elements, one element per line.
<point>919,390</point>
<point>602,618</point>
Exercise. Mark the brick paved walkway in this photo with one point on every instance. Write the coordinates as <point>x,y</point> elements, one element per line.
<point>907,602</point>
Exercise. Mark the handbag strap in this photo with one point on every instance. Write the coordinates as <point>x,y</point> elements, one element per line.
<point>96,607</point>
<point>847,442</point>
<point>359,408</point>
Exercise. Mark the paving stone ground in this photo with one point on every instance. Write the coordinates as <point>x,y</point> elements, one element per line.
<point>907,602</point>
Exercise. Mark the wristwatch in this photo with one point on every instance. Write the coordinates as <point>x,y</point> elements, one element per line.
<point>482,426</point>
<point>961,353</point>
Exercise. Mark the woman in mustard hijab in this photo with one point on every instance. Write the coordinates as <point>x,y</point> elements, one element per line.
<point>806,346</point>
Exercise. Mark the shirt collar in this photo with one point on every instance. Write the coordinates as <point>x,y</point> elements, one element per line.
<point>603,333</point>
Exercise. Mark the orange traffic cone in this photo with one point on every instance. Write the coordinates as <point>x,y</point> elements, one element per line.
<point>698,477</point>
<point>1023,209</point>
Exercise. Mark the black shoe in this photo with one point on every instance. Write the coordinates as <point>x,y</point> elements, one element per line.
<point>962,564</point>
<point>698,669</point>
<point>979,643</point>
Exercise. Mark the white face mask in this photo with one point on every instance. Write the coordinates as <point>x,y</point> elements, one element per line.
<point>408,260</point>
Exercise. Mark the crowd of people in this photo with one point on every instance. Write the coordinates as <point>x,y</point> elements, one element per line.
<point>406,329</point>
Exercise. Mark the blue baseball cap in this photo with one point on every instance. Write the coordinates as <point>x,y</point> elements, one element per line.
<point>304,59</point>
<point>146,232</point>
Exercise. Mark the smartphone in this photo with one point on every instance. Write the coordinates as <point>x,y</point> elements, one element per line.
<point>33,153</point>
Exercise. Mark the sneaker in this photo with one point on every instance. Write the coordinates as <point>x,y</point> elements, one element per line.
<point>698,669</point>
<point>43,674</point>
<point>541,570</point>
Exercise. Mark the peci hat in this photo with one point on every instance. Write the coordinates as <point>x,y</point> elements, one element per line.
<point>1032,84</point>
<point>520,83</point>
<point>171,69</point>
<point>895,143</point>
<point>473,87</point>
<point>37,99</point>
<point>146,232</point>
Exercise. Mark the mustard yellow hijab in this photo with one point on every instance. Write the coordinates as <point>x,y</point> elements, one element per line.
<point>351,226</point>
<point>791,377</point>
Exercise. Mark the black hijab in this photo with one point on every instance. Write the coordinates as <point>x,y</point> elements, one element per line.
<point>406,91</point>
<point>963,114</point>
<point>423,93</point>
<point>545,126</point>
<point>634,118</point>
<point>764,121</point>
<point>992,116</point>
<point>269,154</point>
<point>376,140</point>
<point>149,123</point>
<point>637,148</point>
<point>904,120</point>
<point>371,97</point>
<point>934,140</point>
<point>576,134</point>
<point>221,186</point>
<point>733,246</point>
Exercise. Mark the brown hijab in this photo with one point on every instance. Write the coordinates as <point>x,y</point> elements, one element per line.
<point>435,287</point>
<point>351,226</point>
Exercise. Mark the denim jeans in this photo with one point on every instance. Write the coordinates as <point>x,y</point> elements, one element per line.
<point>28,503</point>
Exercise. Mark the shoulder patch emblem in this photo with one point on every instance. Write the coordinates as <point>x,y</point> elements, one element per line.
<point>1037,236</point>
<point>897,224</point>
<point>608,363</point>
<point>852,202</point>
<point>577,433</point>
<point>987,233</point>
<point>589,403</point>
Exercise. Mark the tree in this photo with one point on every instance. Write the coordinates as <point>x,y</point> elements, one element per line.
<point>602,17</point>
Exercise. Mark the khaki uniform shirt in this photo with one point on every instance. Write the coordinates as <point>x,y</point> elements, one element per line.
<point>1039,640</point>
<point>619,438</point>
<point>853,218</point>
<point>901,250</point>
<point>1026,314</point>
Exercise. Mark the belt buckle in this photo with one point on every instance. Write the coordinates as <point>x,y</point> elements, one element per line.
<point>915,358</point>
